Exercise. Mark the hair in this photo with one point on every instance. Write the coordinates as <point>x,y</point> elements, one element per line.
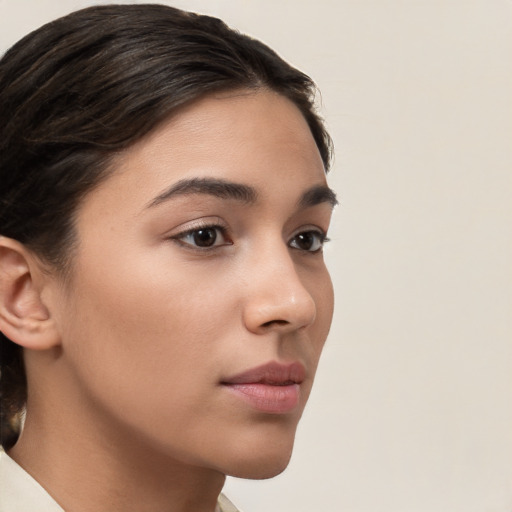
<point>82,88</point>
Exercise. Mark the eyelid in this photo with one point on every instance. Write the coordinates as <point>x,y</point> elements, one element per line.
<point>192,225</point>
<point>308,228</point>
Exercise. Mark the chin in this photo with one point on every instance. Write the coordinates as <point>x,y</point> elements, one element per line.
<point>261,462</point>
<point>260,469</point>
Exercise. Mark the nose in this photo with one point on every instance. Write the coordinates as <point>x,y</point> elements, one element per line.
<point>276,297</point>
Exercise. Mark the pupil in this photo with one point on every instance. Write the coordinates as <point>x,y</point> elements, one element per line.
<point>306,241</point>
<point>205,237</point>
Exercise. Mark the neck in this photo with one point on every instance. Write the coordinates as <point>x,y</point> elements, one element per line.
<point>94,471</point>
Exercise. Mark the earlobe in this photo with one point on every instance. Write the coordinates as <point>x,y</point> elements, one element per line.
<point>24,318</point>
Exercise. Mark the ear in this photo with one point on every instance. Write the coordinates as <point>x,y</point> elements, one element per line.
<point>24,318</point>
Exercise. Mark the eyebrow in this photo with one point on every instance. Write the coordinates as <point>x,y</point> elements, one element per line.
<point>210,186</point>
<point>317,195</point>
<point>225,189</point>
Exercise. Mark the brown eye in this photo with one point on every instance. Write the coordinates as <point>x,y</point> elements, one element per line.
<point>204,237</point>
<point>310,241</point>
<point>207,237</point>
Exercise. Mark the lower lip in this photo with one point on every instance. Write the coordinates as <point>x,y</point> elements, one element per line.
<point>268,398</point>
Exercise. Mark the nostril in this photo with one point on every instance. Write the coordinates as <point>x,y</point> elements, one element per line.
<point>274,322</point>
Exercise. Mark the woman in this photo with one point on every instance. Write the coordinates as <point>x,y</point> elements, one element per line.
<point>163,296</point>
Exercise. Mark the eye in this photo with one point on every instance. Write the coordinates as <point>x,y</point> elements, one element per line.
<point>204,237</point>
<point>309,241</point>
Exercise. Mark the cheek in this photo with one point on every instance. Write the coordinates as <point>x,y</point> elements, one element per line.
<point>328,302</point>
<point>321,289</point>
<point>144,339</point>
<point>322,292</point>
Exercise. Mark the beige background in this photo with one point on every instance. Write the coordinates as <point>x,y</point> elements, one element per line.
<point>412,411</point>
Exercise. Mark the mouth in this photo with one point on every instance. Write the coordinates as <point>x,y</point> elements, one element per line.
<point>272,388</point>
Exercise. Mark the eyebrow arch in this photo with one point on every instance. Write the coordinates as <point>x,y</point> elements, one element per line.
<point>317,195</point>
<point>210,186</point>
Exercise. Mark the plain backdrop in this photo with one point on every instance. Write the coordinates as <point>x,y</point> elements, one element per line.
<point>412,409</point>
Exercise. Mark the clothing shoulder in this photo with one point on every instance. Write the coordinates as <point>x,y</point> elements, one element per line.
<point>19,492</point>
<point>223,505</point>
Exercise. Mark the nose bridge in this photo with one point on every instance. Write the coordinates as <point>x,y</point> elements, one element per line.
<point>277,296</point>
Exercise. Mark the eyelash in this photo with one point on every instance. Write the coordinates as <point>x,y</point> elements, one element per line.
<point>320,238</point>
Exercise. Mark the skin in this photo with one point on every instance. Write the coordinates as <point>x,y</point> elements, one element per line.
<point>129,405</point>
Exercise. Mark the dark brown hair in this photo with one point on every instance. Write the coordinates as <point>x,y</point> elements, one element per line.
<point>82,88</point>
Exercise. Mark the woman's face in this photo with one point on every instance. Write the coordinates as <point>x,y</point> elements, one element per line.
<point>199,302</point>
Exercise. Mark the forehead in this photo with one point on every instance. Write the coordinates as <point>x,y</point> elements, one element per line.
<point>258,138</point>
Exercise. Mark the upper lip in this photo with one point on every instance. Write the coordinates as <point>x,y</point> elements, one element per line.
<point>273,373</point>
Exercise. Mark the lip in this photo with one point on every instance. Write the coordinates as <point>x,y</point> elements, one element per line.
<point>272,388</point>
